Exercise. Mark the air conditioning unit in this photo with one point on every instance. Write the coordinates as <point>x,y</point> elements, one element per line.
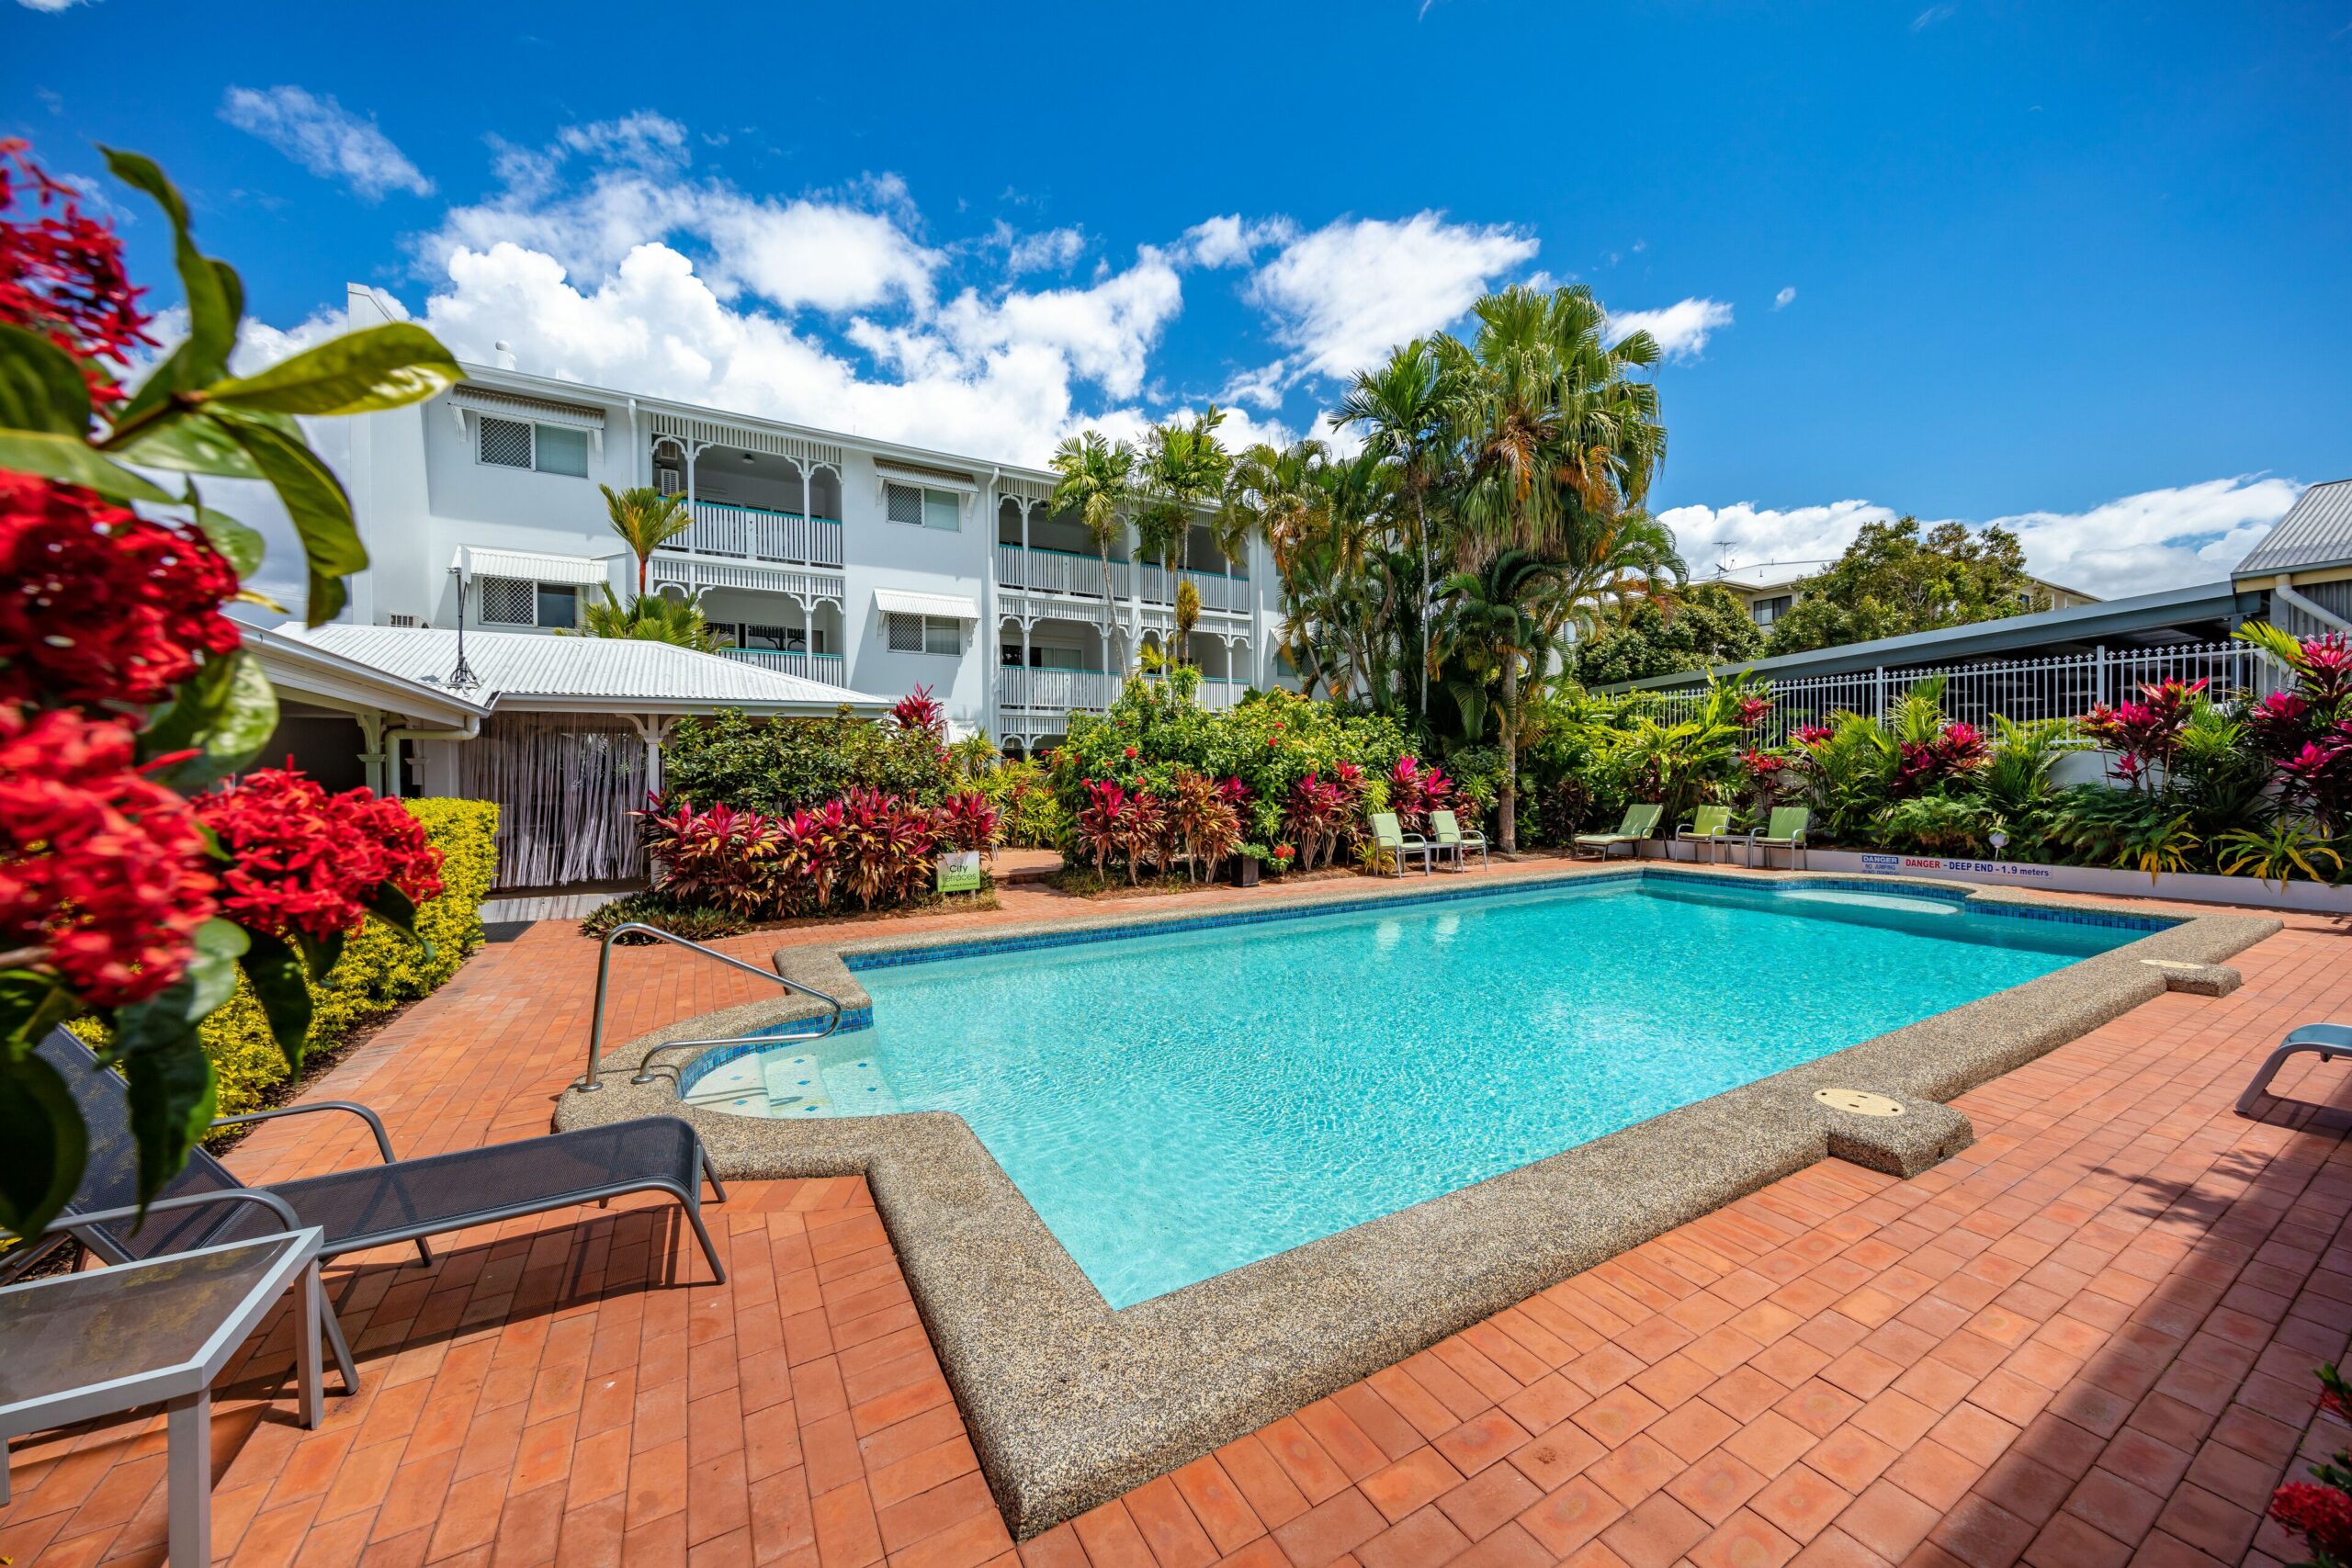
<point>400,620</point>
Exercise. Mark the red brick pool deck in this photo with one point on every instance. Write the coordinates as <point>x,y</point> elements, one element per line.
<point>2085,1341</point>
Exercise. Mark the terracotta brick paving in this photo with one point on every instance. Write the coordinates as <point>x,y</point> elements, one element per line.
<point>2085,1341</point>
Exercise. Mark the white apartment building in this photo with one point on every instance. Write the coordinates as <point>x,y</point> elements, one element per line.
<point>861,564</point>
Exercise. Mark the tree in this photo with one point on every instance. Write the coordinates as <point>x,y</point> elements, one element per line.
<point>1705,625</point>
<point>645,520</point>
<point>1495,620</point>
<point>1403,408</point>
<point>1184,467</point>
<point>1273,493</point>
<point>1892,582</point>
<point>649,617</point>
<point>1097,482</point>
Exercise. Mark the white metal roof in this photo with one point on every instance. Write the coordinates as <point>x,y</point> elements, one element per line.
<point>907,602</point>
<point>531,566</point>
<point>520,670</point>
<point>2315,534</point>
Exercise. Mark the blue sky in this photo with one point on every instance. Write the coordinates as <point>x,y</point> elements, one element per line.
<point>2083,268</point>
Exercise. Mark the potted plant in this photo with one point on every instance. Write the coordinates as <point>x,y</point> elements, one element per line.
<point>1248,862</point>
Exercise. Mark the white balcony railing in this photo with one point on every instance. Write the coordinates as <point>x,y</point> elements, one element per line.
<point>751,533</point>
<point>830,668</point>
<point>1057,691</point>
<point>1217,591</point>
<point>1061,571</point>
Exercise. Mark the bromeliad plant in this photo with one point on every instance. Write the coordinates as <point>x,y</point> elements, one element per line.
<point>124,691</point>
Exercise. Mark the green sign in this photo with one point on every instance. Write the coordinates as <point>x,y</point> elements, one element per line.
<point>959,871</point>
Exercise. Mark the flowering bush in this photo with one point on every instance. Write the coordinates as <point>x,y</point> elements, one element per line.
<point>1416,789</point>
<point>2320,1510</point>
<point>2147,733</point>
<point>880,848</point>
<point>127,907</point>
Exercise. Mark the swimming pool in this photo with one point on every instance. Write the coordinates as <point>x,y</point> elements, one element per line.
<point>1176,1104</point>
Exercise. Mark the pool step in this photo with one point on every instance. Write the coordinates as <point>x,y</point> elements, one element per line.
<point>796,1087</point>
<point>856,1088</point>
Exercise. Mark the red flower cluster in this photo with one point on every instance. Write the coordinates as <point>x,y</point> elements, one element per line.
<point>919,710</point>
<point>103,869</point>
<point>2147,732</point>
<point>1811,735</point>
<point>99,605</point>
<point>2320,1515</point>
<point>62,275</point>
<point>1752,711</point>
<point>306,861</point>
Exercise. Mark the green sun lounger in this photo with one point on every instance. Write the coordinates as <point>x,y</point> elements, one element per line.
<point>1785,831</point>
<point>1640,822</point>
<point>1452,840</point>
<point>1390,839</point>
<point>1711,825</point>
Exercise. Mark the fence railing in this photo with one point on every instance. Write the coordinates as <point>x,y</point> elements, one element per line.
<point>1033,691</point>
<point>755,533</point>
<point>2063,686</point>
<point>826,667</point>
<point>1061,571</point>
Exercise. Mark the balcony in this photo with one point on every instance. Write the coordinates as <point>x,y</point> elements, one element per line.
<point>753,533</point>
<point>1080,576</point>
<point>830,668</point>
<point>1218,590</point>
<point>1037,693</point>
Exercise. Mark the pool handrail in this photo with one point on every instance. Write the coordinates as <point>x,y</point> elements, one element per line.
<point>591,1081</point>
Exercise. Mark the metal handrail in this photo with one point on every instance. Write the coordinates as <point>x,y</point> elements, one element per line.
<point>590,1082</point>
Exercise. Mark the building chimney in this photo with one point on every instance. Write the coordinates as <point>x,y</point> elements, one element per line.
<point>503,353</point>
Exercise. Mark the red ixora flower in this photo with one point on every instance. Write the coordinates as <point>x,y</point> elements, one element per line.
<point>2320,1515</point>
<point>99,605</point>
<point>1132,753</point>
<point>308,862</point>
<point>105,872</point>
<point>61,274</point>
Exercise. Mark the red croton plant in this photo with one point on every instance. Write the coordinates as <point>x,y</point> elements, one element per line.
<point>136,881</point>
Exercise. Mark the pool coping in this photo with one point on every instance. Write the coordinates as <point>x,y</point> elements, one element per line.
<point>1071,1404</point>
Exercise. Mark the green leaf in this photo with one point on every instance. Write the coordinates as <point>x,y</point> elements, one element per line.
<point>173,1098</point>
<point>43,1146</point>
<point>225,711</point>
<point>40,386</point>
<point>214,297</point>
<point>321,953</point>
<point>396,910</point>
<point>240,546</point>
<point>314,500</point>
<point>382,367</point>
<point>191,443</point>
<point>69,459</point>
<point>275,971</point>
<point>31,1004</point>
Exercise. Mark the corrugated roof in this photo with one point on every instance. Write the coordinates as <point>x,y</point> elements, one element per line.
<point>531,566</point>
<point>2315,533</point>
<point>519,671</point>
<point>907,601</point>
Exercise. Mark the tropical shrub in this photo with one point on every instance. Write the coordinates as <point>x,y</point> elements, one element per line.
<point>696,922</point>
<point>777,766</point>
<point>1029,816</point>
<point>878,848</point>
<point>2320,1509</point>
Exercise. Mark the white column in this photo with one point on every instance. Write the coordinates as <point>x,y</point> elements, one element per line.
<point>371,751</point>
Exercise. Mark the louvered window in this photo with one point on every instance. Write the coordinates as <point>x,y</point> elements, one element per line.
<point>508,602</point>
<point>923,508</point>
<point>925,633</point>
<point>520,443</point>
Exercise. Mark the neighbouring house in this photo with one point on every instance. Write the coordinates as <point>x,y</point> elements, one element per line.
<point>2303,566</point>
<point>563,733</point>
<point>865,565</point>
<point>1769,589</point>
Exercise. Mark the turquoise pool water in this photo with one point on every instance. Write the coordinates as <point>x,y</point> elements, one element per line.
<point>1178,1105</point>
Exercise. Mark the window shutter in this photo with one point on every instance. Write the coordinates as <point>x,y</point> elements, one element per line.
<point>505,442</point>
<point>906,633</point>
<point>508,600</point>
<point>902,503</point>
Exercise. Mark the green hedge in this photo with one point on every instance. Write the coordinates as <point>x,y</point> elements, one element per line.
<point>380,968</point>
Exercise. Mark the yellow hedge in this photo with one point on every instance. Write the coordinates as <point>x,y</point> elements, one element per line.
<point>380,968</point>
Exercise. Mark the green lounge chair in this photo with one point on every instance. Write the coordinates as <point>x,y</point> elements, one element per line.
<point>1392,840</point>
<point>1640,822</point>
<point>1711,825</point>
<point>1785,831</point>
<point>1451,838</point>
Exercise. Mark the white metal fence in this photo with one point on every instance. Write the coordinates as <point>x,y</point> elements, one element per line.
<point>750,532</point>
<point>2064,686</point>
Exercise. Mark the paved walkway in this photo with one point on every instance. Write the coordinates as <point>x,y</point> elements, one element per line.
<point>2085,1341</point>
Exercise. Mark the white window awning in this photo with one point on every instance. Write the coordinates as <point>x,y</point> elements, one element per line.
<point>478,560</point>
<point>512,405</point>
<point>906,602</point>
<point>928,479</point>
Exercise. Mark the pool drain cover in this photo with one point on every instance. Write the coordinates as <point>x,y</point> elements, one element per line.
<point>1858,1101</point>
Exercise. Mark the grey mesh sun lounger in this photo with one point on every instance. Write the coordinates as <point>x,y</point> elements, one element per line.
<point>401,1201</point>
<point>2326,1040</point>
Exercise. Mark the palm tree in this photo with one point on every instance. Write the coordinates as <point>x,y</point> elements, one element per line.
<point>1404,408</point>
<point>1495,623</point>
<point>645,520</point>
<point>1184,465</point>
<point>648,618</point>
<point>1097,480</point>
<point>1273,493</point>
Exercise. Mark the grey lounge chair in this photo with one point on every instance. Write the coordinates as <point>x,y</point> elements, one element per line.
<point>2326,1040</point>
<point>401,1201</point>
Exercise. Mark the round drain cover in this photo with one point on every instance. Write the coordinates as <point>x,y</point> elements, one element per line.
<point>1858,1101</point>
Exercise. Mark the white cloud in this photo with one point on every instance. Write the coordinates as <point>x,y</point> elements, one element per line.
<point>52,6</point>
<point>1343,295</point>
<point>1931,15</point>
<point>1047,249</point>
<point>324,138</point>
<point>2136,543</point>
<point>1784,298</point>
<point>1231,241</point>
<point>1681,328</point>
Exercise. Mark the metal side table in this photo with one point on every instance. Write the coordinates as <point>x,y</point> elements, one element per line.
<point>109,1339</point>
